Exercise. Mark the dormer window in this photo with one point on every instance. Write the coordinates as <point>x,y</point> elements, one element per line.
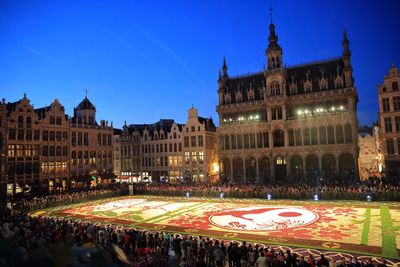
<point>250,94</point>
<point>395,86</point>
<point>238,96</point>
<point>227,98</point>
<point>307,86</point>
<point>323,84</point>
<point>293,87</point>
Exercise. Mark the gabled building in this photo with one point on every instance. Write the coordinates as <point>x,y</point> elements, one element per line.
<point>389,120</point>
<point>289,123</point>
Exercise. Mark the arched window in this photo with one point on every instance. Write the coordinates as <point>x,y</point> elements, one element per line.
<point>275,88</point>
<point>279,139</point>
<point>28,122</point>
<point>280,160</point>
<point>20,121</point>
<point>395,86</point>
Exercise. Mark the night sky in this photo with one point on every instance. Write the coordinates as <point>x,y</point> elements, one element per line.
<point>145,60</point>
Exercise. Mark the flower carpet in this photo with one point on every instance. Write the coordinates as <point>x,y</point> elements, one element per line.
<point>361,228</point>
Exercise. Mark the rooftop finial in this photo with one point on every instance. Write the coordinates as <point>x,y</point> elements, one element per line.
<point>270,13</point>
<point>86,91</point>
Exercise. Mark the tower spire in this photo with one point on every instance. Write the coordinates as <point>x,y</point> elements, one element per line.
<point>345,42</point>
<point>224,70</point>
<point>270,13</point>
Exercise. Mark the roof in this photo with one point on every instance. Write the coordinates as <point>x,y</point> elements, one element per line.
<point>41,112</point>
<point>86,104</point>
<point>209,124</point>
<point>298,74</point>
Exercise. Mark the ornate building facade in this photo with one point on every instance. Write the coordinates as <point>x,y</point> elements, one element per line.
<point>389,120</point>
<point>289,123</point>
<point>44,150</point>
<point>168,151</point>
<point>370,158</point>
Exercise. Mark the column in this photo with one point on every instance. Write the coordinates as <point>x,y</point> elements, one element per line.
<point>304,166</point>
<point>356,176</point>
<point>271,139</point>
<point>288,174</point>
<point>284,112</point>
<point>286,136</point>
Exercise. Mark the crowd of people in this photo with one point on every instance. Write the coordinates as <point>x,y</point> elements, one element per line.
<point>81,242</point>
<point>356,191</point>
<point>69,197</point>
<point>132,247</point>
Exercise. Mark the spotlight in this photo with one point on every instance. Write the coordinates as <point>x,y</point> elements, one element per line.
<point>316,198</point>
<point>187,194</point>
<point>269,196</point>
<point>341,107</point>
<point>369,198</point>
<point>221,195</point>
<point>299,112</point>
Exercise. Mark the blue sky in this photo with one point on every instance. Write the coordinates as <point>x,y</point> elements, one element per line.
<point>146,60</point>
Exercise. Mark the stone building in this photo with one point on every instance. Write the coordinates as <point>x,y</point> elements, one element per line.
<point>44,150</point>
<point>54,147</point>
<point>389,120</point>
<point>369,155</point>
<point>22,142</point>
<point>199,149</point>
<point>289,123</point>
<point>91,146</point>
<point>156,152</point>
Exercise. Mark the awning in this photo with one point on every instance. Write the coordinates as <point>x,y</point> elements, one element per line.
<point>124,177</point>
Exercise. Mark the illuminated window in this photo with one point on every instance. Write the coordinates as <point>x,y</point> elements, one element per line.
<point>201,157</point>
<point>280,161</point>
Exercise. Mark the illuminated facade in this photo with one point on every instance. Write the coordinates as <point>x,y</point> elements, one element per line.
<point>156,152</point>
<point>389,120</point>
<point>91,146</point>
<point>285,124</point>
<point>199,148</point>
<point>369,156</point>
<point>44,150</point>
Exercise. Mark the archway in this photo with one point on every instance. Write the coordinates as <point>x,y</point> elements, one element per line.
<point>280,169</point>
<point>238,169</point>
<point>263,168</point>
<point>312,166</point>
<point>328,167</point>
<point>296,167</point>
<point>251,170</point>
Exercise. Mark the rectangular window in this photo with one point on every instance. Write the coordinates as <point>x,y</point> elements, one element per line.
<point>193,141</point>
<point>36,135</point>
<point>58,136</point>
<point>52,151</point>
<point>65,151</point>
<point>298,138</point>
<point>45,151</point>
<point>65,136</point>
<point>194,157</point>
<point>291,137</point>
<point>389,146</point>
<point>52,136</point>
<point>200,139</point>
<point>45,136</point>
<point>187,157</point>
<point>397,123</point>
<point>388,124</point>
<point>58,151</point>
<point>201,157</point>
<point>20,134</point>
<point>180,147</point>
<point>99,139</point>
<point>79,139</point>
<point>11,134</point>
<point>186,140</point>
<point>385,104</point>
<point>73,138</point>
<point>396,103</point>
<point>86,139</point>
<point>11,150</point>
<point>28,134</point>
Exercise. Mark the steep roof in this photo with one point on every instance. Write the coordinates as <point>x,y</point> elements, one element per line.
<point>86,104</point>
<point>209,124</point>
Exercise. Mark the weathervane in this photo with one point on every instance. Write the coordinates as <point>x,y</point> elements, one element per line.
<point>270,12</point>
